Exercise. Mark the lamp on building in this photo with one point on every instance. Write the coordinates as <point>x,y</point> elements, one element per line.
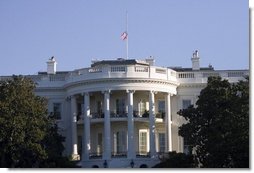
<point>105,164</point>
<point>132,163</point>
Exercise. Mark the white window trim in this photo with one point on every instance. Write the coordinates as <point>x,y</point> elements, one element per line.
<point>147,139</point>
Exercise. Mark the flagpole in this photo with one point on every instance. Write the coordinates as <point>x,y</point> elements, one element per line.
<point>127,46</point>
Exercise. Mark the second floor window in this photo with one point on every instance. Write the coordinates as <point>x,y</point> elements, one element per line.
<point>57,110</point>
<point>120,106</point>
<point>186,104</point>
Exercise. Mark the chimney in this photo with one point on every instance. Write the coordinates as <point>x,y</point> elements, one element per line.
<point>195,61</point>
<point>51,68</point>
<point>150,60</point>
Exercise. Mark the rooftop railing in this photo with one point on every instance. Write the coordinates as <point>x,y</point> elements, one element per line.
<point>132,71</point>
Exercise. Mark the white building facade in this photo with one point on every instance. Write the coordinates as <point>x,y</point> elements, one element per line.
<point>123,113</point>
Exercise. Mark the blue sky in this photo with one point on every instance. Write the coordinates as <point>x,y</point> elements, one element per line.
<point>75,32</point>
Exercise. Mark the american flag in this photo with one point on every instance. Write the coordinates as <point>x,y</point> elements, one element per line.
<point>124,35</point>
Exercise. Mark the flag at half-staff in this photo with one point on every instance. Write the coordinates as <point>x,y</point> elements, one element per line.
<point>124,35</point>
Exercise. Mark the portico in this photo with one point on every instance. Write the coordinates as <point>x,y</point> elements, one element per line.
<point>128,108</point>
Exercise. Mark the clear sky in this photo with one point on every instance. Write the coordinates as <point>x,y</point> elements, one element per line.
<point>77,31</point>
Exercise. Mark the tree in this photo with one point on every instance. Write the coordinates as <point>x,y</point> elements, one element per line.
<point>218,127</point>
<point>176,160</point>
<point>28,136</point>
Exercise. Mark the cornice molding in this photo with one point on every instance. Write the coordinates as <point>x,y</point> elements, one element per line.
<point>117,80</point>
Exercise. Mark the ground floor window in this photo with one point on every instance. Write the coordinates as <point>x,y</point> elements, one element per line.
<point>162,142</point>
<point>80,145</point>
<point>143,142</point>
<point>99,144</point>
<point>187,149</point>
<point>120,142</point>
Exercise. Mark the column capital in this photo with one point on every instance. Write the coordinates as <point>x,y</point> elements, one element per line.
<point>154,92</point>
<point>169,93</point>
<point>86,93</point>
<point>68,98</point>
<point>106,91</point>
<point>72,96</point>
<point>130,91</point>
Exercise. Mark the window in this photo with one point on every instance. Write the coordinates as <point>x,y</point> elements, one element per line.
<point>186,104</point>
<point>80,111</point>
<point>161,109</point>
<point>141,107</point>
<point>120,106</point>
<point>143,142</point>
<point>118,69</point>
<point>162,142</point>
<point>99,107</point>
<point>161,106</point>
<point>57,110</point>
<point>187,149</point>
<point>120,142</point>
<point>80,144</point>
<point>99,144</point>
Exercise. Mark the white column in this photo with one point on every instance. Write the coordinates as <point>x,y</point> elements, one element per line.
<point>75,155</point>
<point>131,145</point>
<point>107,139</point>
<point>168,122</point>
<point>86,135</point>
<point>152,124</point>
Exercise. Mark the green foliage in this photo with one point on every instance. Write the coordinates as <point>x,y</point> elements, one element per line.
<point>28,137</point>
<point>177,160</point>
<point>218,128</point>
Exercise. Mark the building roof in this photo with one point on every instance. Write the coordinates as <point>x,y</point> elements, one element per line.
<point>119,61</point>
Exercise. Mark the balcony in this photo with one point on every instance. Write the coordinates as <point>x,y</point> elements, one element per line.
<point>99,117</point>
<point>119,155</point>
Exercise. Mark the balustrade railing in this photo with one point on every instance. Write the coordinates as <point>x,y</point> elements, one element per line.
<point>119,154</point>
<point>97,155</point>
<point>141,71</point>
<point>143,154</point>
<point>186,75</point>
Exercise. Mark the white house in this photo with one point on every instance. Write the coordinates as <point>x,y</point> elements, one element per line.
<point>123,112</point>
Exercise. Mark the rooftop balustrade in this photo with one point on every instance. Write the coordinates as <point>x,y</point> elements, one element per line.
<point>132,71</point>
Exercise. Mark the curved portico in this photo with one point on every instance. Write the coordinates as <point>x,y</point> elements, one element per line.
<point>122,111</point>
<point>106,109</point>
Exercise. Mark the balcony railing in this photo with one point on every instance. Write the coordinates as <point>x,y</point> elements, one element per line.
<point>119,154</point>
<point>123,115</point>
<point>95,155</point>
<point>142,154</point>
<point>139,154</point>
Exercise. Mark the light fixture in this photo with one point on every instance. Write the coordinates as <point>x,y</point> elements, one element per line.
<point>132,163</point>
<point>105,164</point>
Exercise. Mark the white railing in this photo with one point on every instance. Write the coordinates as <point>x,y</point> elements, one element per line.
<point>133,71</point>
<point>160,70</point>
<point>57,77</point>
<point>186,75</point>
<point>207,74</point>
<point>236,74</point>
<point>141,69</point>
<point>118,69</point>
<point>201,77</point>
